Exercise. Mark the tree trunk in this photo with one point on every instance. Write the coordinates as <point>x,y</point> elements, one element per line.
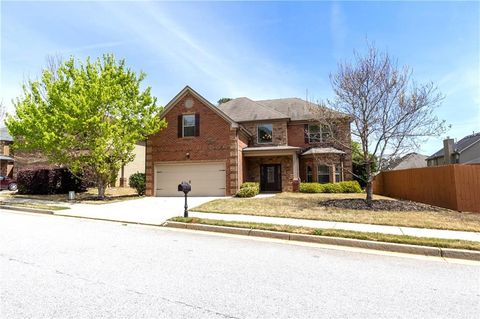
<point>369,190</point>
<point>369,186</point>
<point>101,187</point>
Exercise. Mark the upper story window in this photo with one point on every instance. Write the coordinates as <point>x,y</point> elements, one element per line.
<point>265,133</point>
<point>317,133</point>
<point>188,125</point>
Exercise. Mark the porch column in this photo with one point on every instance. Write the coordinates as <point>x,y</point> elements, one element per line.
<point>332,173</point>
<point>296,170</point>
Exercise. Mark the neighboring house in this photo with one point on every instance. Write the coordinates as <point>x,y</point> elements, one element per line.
<point>411,160</point>
<point>277,143</point>
<point>137,165</point>
<point>6,160</point>
<point>465,151</point>
<point>11,163</point>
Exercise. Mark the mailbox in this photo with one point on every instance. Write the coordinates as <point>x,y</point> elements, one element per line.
<point>184,187</point>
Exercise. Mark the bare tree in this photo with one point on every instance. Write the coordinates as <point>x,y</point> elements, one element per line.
<point>391,113</point>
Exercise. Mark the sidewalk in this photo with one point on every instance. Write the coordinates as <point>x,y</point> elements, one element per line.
<point>394,230</point>
<point>156,210</point>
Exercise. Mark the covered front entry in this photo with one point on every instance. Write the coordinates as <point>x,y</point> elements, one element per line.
<point>270,178</point>
<point>274,167</point>
<point>206,178</point>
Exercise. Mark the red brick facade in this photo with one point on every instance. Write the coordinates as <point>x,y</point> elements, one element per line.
<point>221,139</point>
<point>216,141</point>
<point>341,140</point>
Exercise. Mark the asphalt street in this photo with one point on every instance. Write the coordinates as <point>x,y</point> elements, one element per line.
<point>60,267</point>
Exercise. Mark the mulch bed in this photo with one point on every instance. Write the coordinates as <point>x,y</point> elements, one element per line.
<point>380,205</point>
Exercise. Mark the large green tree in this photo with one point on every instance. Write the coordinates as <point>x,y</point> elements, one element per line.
<point>86,116</point>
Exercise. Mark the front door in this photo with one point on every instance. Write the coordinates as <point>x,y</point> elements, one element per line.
<point>270,178</point>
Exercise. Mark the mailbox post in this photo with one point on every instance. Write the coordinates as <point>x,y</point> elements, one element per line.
<point>185,188</point>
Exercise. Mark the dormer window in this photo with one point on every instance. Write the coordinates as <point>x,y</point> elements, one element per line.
<point>265,133</point>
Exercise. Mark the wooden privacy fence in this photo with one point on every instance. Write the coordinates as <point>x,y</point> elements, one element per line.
<point>451,186</point>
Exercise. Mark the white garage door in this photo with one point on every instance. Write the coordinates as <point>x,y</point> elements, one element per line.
<point>207,179</point>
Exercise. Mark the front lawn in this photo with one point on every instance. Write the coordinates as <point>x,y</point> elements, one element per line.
<point>33,205</point>
<point>112,194</point>
<point>398,239</point>
<point>306,206</point>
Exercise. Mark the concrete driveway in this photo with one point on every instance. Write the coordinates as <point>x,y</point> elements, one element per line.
<point>148,210</point>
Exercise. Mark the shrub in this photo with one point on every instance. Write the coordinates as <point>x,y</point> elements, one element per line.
<point>137,181</point>
<point>332,188</point>
<point>311,188</point>
<point>250,184</point>
<point>248,189</point>
<point>247,192</point>
<point>48,181</point>
<point>350,187</point>
<point>341,187</point>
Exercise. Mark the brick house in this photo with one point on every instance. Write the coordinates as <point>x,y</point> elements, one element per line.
<point>277,143</point>
<point>6,160</point>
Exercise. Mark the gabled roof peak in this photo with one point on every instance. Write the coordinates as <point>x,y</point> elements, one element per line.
<point>188,89</point>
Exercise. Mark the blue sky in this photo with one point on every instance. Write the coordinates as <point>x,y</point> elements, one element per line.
<point>255,49</point>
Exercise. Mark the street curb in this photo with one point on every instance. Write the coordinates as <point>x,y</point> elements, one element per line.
<point>339,241</point>
<point>460,254</point>
<point>28,209</point>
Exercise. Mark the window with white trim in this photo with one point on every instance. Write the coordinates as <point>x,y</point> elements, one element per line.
<point>188,125</point>
<point>323,174</point>
<point>318,133</point>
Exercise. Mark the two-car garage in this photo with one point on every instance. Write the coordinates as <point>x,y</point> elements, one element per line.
<point>206,178</point>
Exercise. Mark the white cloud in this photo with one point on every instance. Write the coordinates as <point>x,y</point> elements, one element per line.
<point>338,29</point>
<point>217,61</point>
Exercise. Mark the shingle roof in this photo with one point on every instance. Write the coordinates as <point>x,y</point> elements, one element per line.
<point>322,150</point>
<point>271,148</point>
<point>296,109</point>
<point>411,160</point>
<point>460,146</point>
<point>244,109</point>
<point>4,135</point>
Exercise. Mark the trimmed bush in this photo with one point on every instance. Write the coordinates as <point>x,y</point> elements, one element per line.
<point>332,188</point>
<point>311,188</point>
<point>250,184</point>
<point>138,182</point>
<point>341,187</point>
<point>48,181</point>
<point>247,192</point>
<point>248,189</point>
<point>350,187</point>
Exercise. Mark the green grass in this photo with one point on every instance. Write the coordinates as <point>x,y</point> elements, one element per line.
<point>306,206</point>
<point>113,194</point>
<point>34,205</point>
<point>399,239</point>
